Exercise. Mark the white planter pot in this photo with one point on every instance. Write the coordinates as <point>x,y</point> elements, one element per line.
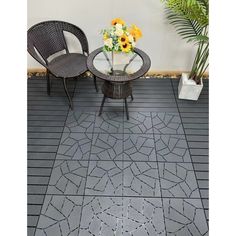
<point>188,89</point>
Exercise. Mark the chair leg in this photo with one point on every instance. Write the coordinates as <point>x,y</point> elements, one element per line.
<point>101,107</point>
<point>126,109</point>
<point>48,83</point>
<point>95,83</point>
<point>67,94</point>
<point>132,98</point>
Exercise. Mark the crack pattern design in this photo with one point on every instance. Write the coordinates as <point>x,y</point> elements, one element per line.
<point>60,216</point>
<point>122,217</point>
<point>172,148</point>
<point>75,146</point>
<point>80,121</point>
<point>138,123</point>
<point>107,147</point>
<point>178,180</point>
<point>104,178</point>
<point>143,217</point>
<point>166,123</point>
<point>184,217</point>
<point>141,179</point>
<point>109,122</point>
<point>68,177</point>
<point>139,147</point>
<point>101,216</point>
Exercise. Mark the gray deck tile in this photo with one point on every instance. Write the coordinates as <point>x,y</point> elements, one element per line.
<point>60,216</point>
<point>107,147</point>
<point>116,173</point>
<point>143,217</point>
<point>184,217</point>
<point>74,146</point>
<point>109,122</point>
<point>101,216</point>
<point>78,121</point>
<point>139,147</point>
<point>68,178</point>
<point>171,148</point>
<point>166,123</point>
<point>138,123</point>
<point>104,178</point>
<point>141,179</point>
<point>178,180</point>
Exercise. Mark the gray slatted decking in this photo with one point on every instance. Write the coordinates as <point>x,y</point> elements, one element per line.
<point>50,122</point>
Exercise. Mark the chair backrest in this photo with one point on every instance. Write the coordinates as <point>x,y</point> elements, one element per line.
<point>48,38</point>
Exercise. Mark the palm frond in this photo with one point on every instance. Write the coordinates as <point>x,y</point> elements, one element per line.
<point>186,28</point>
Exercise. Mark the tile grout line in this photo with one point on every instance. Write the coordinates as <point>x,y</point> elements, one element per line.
<point>84,195</point>
<point>68,109</point>
<point>189,153</point>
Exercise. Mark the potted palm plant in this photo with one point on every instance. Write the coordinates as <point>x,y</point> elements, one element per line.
<point>190,17</point>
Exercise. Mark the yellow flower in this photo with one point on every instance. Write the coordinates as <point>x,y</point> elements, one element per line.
<point>135,32</point>
<point>105,36</point>
<point>126,47</point>
<point>117,21</point>
<point>123,39</point>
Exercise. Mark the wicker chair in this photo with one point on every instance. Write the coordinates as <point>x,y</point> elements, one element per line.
<point>47,38</point>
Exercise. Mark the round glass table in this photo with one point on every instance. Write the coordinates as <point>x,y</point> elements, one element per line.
<point>118,73</point>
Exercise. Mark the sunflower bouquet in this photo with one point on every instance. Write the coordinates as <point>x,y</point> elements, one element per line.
<point>119,37</point>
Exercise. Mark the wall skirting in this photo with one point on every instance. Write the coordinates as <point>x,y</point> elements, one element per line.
<point>151,73</point>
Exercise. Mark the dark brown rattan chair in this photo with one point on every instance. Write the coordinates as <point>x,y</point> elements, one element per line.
<point>47,38</point>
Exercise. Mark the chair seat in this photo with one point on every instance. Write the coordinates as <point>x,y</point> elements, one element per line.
<point>68,65</point>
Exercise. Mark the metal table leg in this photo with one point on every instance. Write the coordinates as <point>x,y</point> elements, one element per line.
<point>126,109</point>
<point>101,107</point>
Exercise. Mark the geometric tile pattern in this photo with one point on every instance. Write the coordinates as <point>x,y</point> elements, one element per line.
<point>109,122</point>
<point>74,146</point>
<point>167,123</point>
<point>184,217</point>
<point>171,148</point>
<point>141,179</point>
<point>68,177</point>
<point>60,216</point>
<point>178,180</point>
<point>143,217</point>
<point>104,178</point>
<point>139,147</point>
<point>80,121</point>
<point>101,216</point>
<point>122,217</point>
<point>107,147</point>
<point>119,177</point>
<point>138,123</point>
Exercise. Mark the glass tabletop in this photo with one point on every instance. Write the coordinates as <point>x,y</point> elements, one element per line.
<point>112,63</point>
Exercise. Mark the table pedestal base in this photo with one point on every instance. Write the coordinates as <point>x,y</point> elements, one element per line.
<point>116,90</point>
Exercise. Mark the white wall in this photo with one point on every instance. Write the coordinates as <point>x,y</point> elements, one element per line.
<point>168,52</point>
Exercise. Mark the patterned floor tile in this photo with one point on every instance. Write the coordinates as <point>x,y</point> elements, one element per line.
<point>68,177</point>
<point>104,178</point>
<point>184,217</point>
<point>139,147</point>
<point>74,146</point>
<point>172,148</point>
<point>138,123</point>
<point>109,122</point>
<point>178,180</point>
<point>60,216</point>
<point>101,216</point>
<point>107,147</point>
<point>143,217</point>
<point>166,123</point>
<point>80,121</point>
<point>141,179</point>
